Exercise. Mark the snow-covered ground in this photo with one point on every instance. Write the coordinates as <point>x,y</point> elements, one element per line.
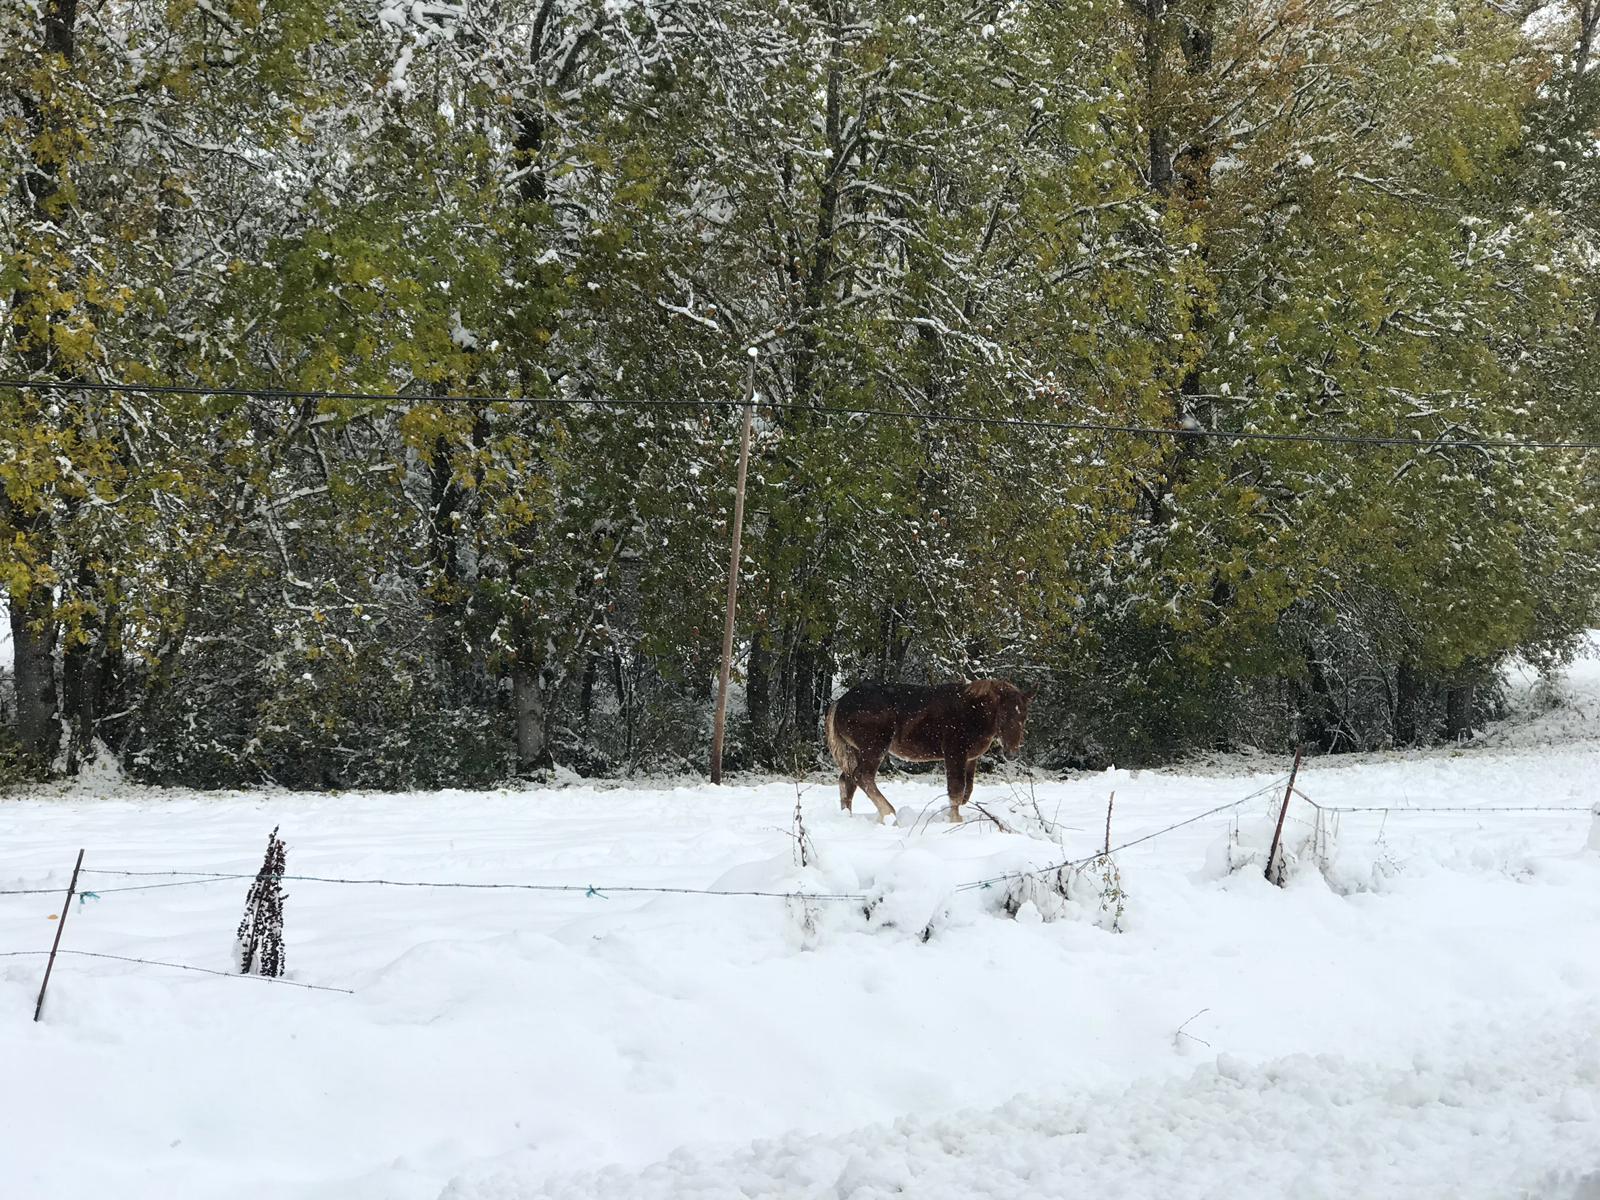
<point>1417,1016</point>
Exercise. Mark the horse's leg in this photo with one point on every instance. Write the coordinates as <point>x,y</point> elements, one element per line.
<point>847,788</point>
<point>972,778</point>
<point>955,781</point>
<point>868,778</point>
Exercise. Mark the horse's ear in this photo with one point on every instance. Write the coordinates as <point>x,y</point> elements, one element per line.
<point>1029,693</point>
<point>982,689</point>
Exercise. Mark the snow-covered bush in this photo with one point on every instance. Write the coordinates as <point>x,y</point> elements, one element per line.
<point>1091,891</point>
<point>1248,842</point>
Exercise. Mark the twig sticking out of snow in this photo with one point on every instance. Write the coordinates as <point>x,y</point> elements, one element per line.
<point>1181,1032</point>
<point>802,908</point>
<point>999,824</point>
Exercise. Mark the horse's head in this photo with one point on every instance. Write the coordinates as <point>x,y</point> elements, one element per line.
<point>1010,708</point>
<point>1013,716</point>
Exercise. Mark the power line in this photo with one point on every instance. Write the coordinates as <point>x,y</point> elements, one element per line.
<point>945,418</point>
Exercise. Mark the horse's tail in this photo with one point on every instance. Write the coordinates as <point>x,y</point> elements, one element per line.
<point>843,752</point>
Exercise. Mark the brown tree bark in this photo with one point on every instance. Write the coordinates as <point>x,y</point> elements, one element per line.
<point>34,624</point>
<point>528,691</point>
<point>33,645</point>
<point>1408,687</point>
<point>758,697</point>
<point>1459,699</point>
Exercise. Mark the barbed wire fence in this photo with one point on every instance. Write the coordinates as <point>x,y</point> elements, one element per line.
<point>1324,834</point>
<point>153,962</point>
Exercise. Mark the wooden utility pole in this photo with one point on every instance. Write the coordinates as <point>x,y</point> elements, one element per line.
<point>720,721</point>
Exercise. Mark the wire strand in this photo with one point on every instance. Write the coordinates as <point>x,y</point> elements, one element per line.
<point>1461,808</point>
<point>1132,430</point>
<point>151,962</point>
<point>599,890</point>
<point>1035,872</point>
<point>195,878</point>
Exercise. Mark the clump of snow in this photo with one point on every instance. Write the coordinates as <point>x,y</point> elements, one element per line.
<point>912,893</point>
<point>1247,844</point>
<point>460,335</point>
<point>1576,1105</point>
<point>99,774</point>
<point>1551,710</point>
<point>400,72</point>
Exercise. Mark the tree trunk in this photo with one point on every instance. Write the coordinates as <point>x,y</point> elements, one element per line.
<point>82,676</point>
<point>1325,725</point>
<point>34,628</point>
<point>902,644</point>
<point>816,279</point>
<point>810,692</point>
<point>885,638</point>
<point>80,695</point>
<point>1458,705</point>
<point>33,643</point>
<point>758,698</point>
<point>527,688</point>
<point>622,681</point>
<point>1197,39</point>
<point>1156,116</point>
<point>586,700</point>
<point>1407,704</point>
<point>1588,28</point>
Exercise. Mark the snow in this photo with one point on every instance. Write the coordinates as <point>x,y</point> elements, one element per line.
<point>1307,1126</point>
<point>1417,1019</point>
<point>1558,711</point>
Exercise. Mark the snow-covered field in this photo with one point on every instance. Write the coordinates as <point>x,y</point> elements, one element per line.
<point>1418,1016</point>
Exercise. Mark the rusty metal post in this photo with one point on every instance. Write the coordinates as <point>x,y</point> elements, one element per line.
<point>61,923</point>
<point>719,722</point>
<point>1277,834</point>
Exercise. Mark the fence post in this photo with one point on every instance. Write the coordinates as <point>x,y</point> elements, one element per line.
<point>61,923</point>
<point>1277,834</point>
<point>719,721</point>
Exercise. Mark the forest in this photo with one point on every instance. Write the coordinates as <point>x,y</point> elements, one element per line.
<point>370,374</point>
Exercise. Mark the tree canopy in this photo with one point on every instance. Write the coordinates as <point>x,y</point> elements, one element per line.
<point>1195,216</point>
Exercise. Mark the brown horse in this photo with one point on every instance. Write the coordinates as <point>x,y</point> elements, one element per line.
<point>953,722</point>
